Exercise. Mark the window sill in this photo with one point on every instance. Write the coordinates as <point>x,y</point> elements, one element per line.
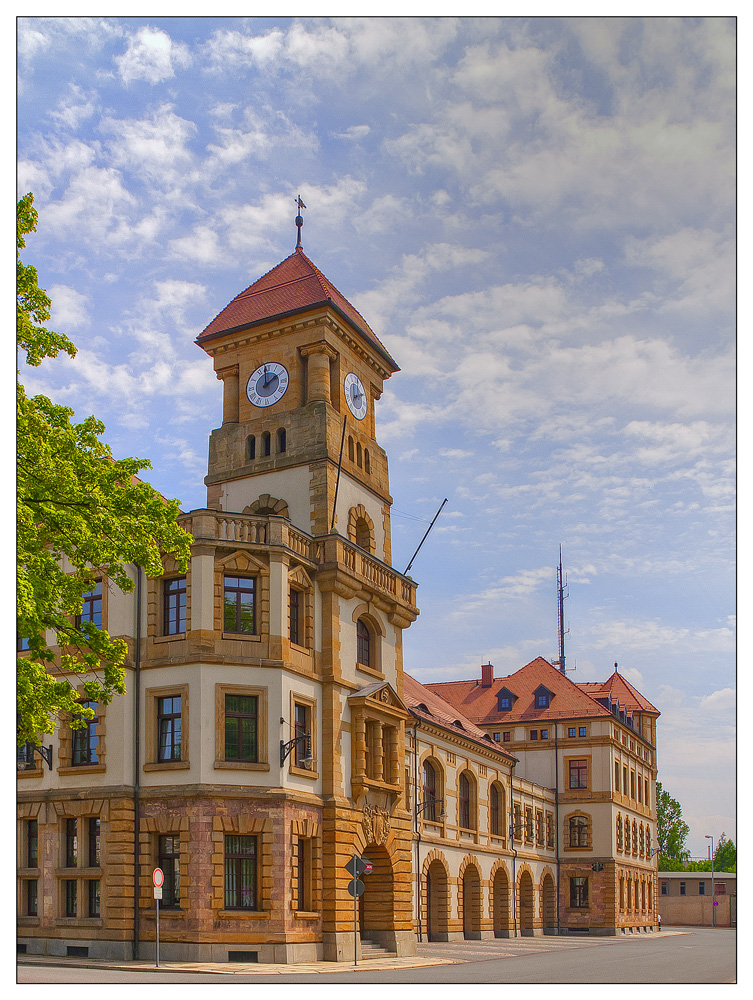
<point>87,873</point>
<point>243,636</point>
<point>78,922</point>
<point>30,772</point>
<point>164,911</point>
<point>303,772</point>
<point>28,921</point>
<point>29,873</point>
<point>243,914</point>
<point>241,765</point>
<point>82,769</point>
<point>306,914</point>
<point>168,765</point>
<point>370,671</point>
<point>168,638</point>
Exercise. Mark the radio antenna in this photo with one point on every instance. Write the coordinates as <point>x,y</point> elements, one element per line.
<point>425,536</point>
<point>561,598</point>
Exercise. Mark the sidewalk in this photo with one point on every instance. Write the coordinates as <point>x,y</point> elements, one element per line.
<point>238,968</point>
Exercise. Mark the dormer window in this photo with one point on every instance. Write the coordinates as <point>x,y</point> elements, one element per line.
<point>505,698</point>
<point>542,697</point>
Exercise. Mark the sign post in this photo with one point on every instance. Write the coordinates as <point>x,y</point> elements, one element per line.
<point>355,867</point>
<point>158,878</point>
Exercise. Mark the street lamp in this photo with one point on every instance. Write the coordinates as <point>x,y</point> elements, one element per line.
<point>713,897</point>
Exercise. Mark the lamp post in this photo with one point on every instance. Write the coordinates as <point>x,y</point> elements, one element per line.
<point>713,897</point>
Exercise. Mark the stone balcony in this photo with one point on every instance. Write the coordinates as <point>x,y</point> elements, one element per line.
<point>337,562</point>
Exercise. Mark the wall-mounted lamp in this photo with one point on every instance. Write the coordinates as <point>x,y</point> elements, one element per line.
<point>286,749</point>
<point>44,752</point>
<point>432,803</point>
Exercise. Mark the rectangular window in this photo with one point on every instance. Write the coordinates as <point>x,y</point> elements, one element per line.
<point>645,795</point>
<point>665,888</point>
<point>529,823</point>
<point>302,726</point>
<point>534,734</point>
<point>93,857</point>
<point>640,791</point>
<point>582,731</point>
<point>71,898</point>
<point>295,616</point>
<point>32,844</point>
<point>632,784</point>
<point>496,737</point>
<point>31,898</point>
<point>517,823</point>
<point>168,728</point>
<point>71,843</point>
<point>86,740</point>
<point>240,873</point>
<point>303,874</point>
<point>616,776</point>
<point>93,897</point>
<point>22,644</point>
<point>239,615</point>
<point>174,594</point>
<point>168,859</point>
<point>549,830</point>
<point>542,701</point>
<point>241,727</point>
<point>506,737</point>
<point>578,774</point>
<point>579,892</point>
<point>25,757</point>
<point>539,828</point>
<point>701,888</point>
<point>571,732</point>
<point>682,888</point>
<point>545,734</point>
<point>91,609</point>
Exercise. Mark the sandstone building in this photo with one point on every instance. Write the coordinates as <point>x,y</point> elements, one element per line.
<point>270,731</point>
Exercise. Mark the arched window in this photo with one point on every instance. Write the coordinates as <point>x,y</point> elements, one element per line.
<point>627,835</point>
<point>363,534</point>
<point>635,837</point>
<point>497,810</point>
<point>619,832</point>
<point>466,812</point>
<point>366,460</point>
<point>431,792</point>
<point>351,449</point>
<point>363,640</point>
<point>250,448</point>
<point>266,443</point>
<point>578,831</point>
<point>359,455</point>
<point>282,440</point>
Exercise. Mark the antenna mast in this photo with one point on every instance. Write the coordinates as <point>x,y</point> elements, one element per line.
<point>561,598</point>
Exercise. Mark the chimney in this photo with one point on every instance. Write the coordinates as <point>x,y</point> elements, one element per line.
<point>487,675</point>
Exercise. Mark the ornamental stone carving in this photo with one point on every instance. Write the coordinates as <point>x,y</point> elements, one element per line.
<point>376,824</point>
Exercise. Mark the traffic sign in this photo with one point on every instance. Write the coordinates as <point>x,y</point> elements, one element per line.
<point>356,887</point>
<point>158,878</point>
<point>158,892</point>
<point>359,866</point>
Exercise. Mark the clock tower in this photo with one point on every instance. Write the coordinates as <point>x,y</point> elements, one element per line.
<point>299,487</point>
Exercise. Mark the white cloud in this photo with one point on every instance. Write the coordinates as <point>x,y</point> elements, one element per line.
<point>154,148</point>
<point>70,309</point>
<point>153,56</point>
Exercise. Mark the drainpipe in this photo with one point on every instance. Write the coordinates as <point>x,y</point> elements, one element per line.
<point>557,820</point>
<point>416,828</point>
<point>136,761</point>
<point>514,857</point>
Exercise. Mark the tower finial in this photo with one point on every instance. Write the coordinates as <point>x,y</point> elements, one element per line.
<point>299,221</point>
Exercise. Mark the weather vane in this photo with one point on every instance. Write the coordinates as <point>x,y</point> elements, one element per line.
<point>299,221</point>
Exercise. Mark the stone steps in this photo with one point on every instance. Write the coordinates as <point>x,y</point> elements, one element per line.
<point>371,950</point>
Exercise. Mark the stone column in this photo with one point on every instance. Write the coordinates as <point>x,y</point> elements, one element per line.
<point>319,356</point>
<point>229,378</point>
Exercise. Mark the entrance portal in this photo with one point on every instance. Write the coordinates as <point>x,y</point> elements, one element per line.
<point>376,905</point>
<point>437,902</point>
<point>501,903</point>
<point>471,903</point>
<point>526,904</point>
<point>549,904</point>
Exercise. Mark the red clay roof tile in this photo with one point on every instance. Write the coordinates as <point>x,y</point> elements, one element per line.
<point>295,284</point>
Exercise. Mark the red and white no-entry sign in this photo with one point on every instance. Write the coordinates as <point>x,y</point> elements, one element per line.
<point>158,877</point>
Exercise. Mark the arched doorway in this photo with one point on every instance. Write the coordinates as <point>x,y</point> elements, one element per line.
<point>525,896</point>
<point>501,903</point>
<point>437,902</point>
<point>549,904</point>
<point>472,903</point>
<point>376,910</point>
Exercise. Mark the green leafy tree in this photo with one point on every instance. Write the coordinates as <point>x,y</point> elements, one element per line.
<point>725,855</point>
<point>672,831</point>
<point>81,515</point>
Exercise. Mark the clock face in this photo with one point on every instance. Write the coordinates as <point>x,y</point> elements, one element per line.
<point>355,396</point>
<point>268,384</point>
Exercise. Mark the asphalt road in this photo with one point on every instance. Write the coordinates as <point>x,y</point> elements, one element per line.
<point>698,955</point>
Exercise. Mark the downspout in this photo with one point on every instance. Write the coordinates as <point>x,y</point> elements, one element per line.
<point>557,820</point>
<point>136,760</point>
<point>416,828</point>
<point>514,857</point>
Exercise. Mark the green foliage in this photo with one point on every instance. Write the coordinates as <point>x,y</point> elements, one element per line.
<point>725,855</point>
<point>81,516</point>
<point>672,830</point>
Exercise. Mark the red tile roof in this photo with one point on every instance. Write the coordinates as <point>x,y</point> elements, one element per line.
<point>620,688</point>
<point>296,284</point>
<point>480,703</point>
<point>441,713</point>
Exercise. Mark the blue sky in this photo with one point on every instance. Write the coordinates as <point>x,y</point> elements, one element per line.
<point>537,218</point>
